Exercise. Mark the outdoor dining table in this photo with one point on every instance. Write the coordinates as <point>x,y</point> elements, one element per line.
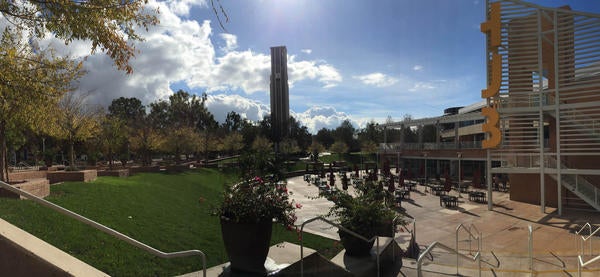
<point>403,193</point>
<point>477,196</point>
<point>448,201</point>
<point>438,190</point>
<point>463,187</point>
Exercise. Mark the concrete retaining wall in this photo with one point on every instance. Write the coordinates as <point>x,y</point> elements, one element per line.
<point>22,254</point>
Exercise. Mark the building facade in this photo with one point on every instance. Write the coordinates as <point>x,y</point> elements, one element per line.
<point>539,122</point>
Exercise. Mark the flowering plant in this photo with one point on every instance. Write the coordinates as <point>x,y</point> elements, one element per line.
<point>254,200</point>
<point>364,212</point>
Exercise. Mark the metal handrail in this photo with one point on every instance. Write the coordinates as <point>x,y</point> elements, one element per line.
<point>471,236</point>
<point>447,248</point>
<point>376,238</point>
<point>580,263</point>
<point>413,233</point>
<point>107,230</point>
<point>588,226</point>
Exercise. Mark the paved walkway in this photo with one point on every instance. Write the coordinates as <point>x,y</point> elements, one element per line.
<point>505,229</point>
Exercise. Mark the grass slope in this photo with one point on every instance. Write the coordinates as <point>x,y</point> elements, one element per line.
<point>161,210</point>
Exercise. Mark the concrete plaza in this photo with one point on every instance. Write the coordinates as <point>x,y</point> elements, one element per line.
<point>504,231</point>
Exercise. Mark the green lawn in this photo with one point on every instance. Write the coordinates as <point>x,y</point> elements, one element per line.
<point>161,210</point>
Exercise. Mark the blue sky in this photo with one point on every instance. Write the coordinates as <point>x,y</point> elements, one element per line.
<point>356,60</point>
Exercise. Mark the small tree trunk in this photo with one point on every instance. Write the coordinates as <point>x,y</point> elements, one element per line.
<point>110,157</point>
<point>3,156</point>
<point>72,155</point>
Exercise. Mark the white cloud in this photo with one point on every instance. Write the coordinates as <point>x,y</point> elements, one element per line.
<point>230,42</point>
<point>316,118</point>
<point>306,51</point>
<point>221,104</point>
<point>319,70</point>
<point>183,51</point>
<point>377,79</point>
<point>182,7</point>
<point>421,86</point>
<point>417,67</point>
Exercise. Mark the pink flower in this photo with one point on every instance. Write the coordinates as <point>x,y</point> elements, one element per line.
<point>258,179</point>
<point>298,205</point>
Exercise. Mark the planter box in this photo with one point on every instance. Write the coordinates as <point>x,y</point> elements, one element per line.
<point>38,187</point>
<point>140,169</point>
<point>73,176</point>
<point>115,173</point>
<point>177,168</point>
<point>26,175</point>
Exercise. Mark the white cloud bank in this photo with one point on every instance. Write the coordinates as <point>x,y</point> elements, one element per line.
<point>184,51</point>
<point>315,118</point>
<point>377,79</point>
<point>417,67</point>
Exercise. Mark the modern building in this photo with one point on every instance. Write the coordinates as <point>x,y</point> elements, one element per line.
<point>539,123</point>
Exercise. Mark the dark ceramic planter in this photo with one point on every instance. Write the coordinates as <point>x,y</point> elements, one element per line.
<point>355,246</point>
<point>247,244</point>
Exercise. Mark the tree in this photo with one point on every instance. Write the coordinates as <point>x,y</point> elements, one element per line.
<point>76,121</point>
<point>112,136</point>
<point>371,132</point>
<point>233,122</point>
<point>232,143</point>
<point>126,109</point>
<point>369,147</point>
<point>262,145</point>
<point>325,137</point>
<point>315,149</point>
<point>31,83</point>
<point>109,25</point>
<point>180,141</point>
<point>299,134</point>
<point>145,140</point>
<point>345,133</point>
<point>184,111</point>
<point>339,147</point>
<point>289,146</point>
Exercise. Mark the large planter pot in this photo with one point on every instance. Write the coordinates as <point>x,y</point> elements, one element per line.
<point>385,230</point>
<point>247,244</point>
<point>355,246</point>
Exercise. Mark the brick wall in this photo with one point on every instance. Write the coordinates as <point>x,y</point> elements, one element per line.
<point>114,173</point>
<point>74,176</point>
<point>26,175</point>
<point>140,169</point>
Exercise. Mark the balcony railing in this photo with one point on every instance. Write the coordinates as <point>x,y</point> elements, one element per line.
<point>430,146</point>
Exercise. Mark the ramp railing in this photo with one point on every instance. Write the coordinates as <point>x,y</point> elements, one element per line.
<point>105,229</point>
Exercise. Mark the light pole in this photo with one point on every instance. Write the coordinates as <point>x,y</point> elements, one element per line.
<point>459,174</point>
<point>426,179</point>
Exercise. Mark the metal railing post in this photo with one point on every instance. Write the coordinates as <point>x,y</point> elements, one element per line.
<point>531,248</point>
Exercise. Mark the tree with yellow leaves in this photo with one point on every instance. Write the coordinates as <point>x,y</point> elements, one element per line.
<point>31,83</point>
<point>76,121</point>
<point>110,25</point>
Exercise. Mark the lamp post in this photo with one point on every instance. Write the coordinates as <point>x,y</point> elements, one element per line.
<point>426,177</point>
<point>459,173</point>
